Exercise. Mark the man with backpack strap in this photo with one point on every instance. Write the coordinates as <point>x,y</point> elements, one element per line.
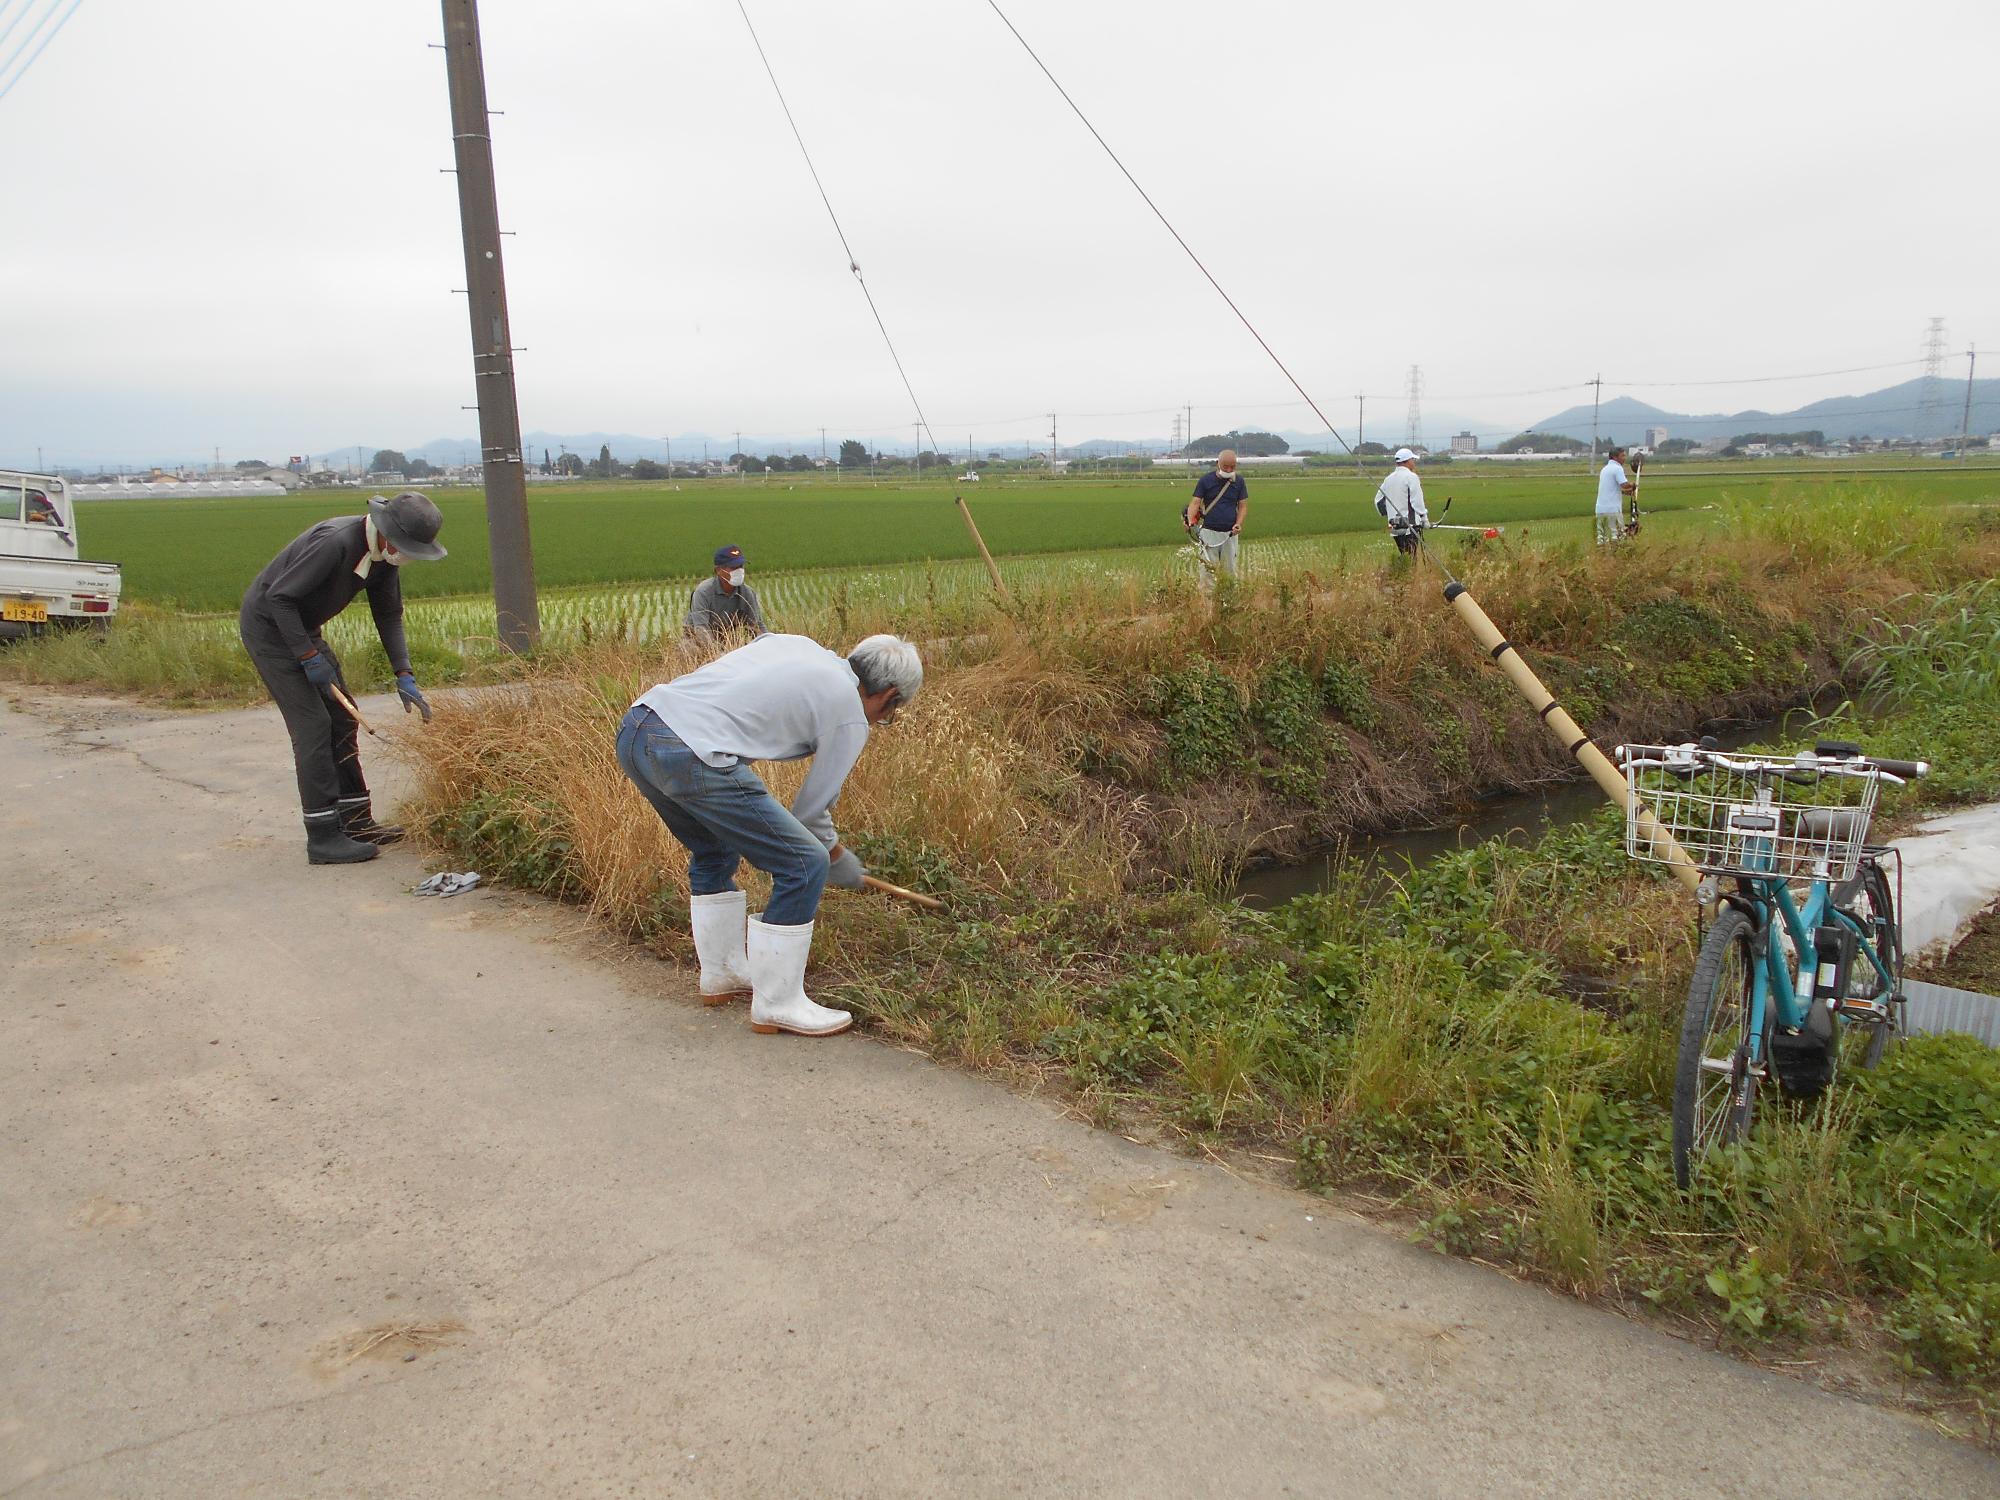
<point>1400,502</point>
<point>1215,516</point>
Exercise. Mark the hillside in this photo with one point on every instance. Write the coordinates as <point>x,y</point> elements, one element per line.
<point>1896,411</point>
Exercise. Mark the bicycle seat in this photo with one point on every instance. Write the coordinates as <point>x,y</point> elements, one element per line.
<point>1836,824</point>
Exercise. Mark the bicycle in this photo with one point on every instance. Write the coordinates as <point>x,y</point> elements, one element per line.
<point>1780,985</point>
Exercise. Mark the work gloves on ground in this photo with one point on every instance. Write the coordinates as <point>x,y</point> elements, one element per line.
<point>406,689</point>
<point>845,870</point>
<point>318,669</point>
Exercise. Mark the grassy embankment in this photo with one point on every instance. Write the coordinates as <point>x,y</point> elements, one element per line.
<point>1487,1048</point>
<point>827,558</point>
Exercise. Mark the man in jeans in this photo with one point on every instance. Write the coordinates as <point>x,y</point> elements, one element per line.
<point>1216,514</point>
<point>687,745</point>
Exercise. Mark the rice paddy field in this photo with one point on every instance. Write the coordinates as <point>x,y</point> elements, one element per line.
<point>198,555</point>
<point>838,558</point>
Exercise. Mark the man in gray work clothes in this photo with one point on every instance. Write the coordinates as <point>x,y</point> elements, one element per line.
<point>304,586</point>
<point>725,602</point>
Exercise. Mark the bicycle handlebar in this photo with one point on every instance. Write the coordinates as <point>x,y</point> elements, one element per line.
<point>1829,758</point>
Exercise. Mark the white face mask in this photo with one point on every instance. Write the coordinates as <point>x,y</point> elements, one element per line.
<point>735,576</point>
<point>393,559</point>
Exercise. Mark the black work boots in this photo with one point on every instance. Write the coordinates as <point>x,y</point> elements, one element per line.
<point>357,822</point>
<point>326,844</point>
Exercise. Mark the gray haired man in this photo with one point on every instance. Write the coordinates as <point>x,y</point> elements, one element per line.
<point>688,746</point>
<point>304,586</point>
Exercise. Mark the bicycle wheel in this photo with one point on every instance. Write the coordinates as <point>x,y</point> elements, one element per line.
<point>1864,1041</point>
<point>1715,1093</point>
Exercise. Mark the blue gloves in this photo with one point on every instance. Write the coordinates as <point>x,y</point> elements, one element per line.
<point>406,689</point>
<point>845,871</point>
<point>318,669</point>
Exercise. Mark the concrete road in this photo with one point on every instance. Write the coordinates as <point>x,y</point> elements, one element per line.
<point>315,1188</point>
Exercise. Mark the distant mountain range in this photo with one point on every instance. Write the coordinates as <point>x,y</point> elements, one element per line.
<point>1898,411</point>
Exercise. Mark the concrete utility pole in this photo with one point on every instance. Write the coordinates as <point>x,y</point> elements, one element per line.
<point>1360,411</point>
<point>1965,420</point>
<point>505,476</point>
<point>1597,387</point>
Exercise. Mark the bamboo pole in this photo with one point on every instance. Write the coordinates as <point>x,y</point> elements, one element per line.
<point>1607,776</point>
<point>928,903</point>
<point>980,542</point>
<point>348,704</point>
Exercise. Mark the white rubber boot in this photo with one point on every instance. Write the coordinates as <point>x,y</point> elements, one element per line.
<point>717,921</point>
<point>778,968</point>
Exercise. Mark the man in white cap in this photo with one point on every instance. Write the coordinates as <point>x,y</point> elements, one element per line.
<point>1216,514</point>
<point>1400,502</point>
<point>688,745</point>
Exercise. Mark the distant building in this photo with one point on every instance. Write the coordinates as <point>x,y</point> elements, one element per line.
<point>1465,442</point>
<point>1655,436</point>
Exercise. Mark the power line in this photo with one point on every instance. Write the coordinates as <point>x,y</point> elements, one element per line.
<point>8,87</point>
<point>853,265</point>
<point>1894,364</point>
<point>1167,222</point>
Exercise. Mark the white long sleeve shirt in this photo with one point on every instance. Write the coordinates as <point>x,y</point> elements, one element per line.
<point>1403,495</point>
<point>781,697</point>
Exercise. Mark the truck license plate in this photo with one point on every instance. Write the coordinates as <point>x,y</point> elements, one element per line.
<point>25,611</point>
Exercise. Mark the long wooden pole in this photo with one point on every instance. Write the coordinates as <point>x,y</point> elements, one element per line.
<point>353,711</point>
<point>915,898</point>
<point>1607,776</point>
<point>979,541</point>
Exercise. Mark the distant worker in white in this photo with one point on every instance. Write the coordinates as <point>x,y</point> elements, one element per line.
<point>688,746</point>
<point>1612,488</point>
<point>1215,514</point>
<point>1400,502</point>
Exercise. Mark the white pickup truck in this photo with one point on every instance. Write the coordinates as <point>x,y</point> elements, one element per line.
<point>44,585</point>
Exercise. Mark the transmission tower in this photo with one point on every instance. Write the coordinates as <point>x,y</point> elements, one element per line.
<point>1930,407</point>
<point>1176,442</point>
<point>1413,437</point>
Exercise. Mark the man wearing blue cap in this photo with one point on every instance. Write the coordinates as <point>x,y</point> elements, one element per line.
<point>724,603</point>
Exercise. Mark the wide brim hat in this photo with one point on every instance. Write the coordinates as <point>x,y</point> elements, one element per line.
<point>409,523</point>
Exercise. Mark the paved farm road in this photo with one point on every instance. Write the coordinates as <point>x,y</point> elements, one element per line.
<point>313,1188</point>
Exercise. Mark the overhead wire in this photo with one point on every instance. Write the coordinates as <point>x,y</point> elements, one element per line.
<point>20,16</point>
<point>7,87</point>
<point>1244,320</point>
<point>853,264</point>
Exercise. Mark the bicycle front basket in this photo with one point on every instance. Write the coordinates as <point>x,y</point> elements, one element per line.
<point>1744,818</point>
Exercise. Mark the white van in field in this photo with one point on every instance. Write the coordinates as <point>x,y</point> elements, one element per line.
<point>44,585</point>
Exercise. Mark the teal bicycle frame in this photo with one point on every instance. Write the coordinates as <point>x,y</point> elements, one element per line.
<point>1775,994</point>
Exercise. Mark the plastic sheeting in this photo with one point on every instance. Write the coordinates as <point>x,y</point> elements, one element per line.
<point>1951,873</point>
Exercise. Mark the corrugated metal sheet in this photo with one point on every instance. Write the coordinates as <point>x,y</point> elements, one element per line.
<point>1934,1009</point>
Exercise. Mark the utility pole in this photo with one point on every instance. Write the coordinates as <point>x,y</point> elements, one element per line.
<point>670,459</point>
<point>822,447</point>
<point>1965,421</point>
<point>739,458</point>
<point>917,449</point>
<point>1360,411</point>
<point>1597,389</point>
<point>1052,445</point>
<point>506,478</point>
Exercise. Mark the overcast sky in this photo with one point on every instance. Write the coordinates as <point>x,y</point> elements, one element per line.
<point>225,224</point>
